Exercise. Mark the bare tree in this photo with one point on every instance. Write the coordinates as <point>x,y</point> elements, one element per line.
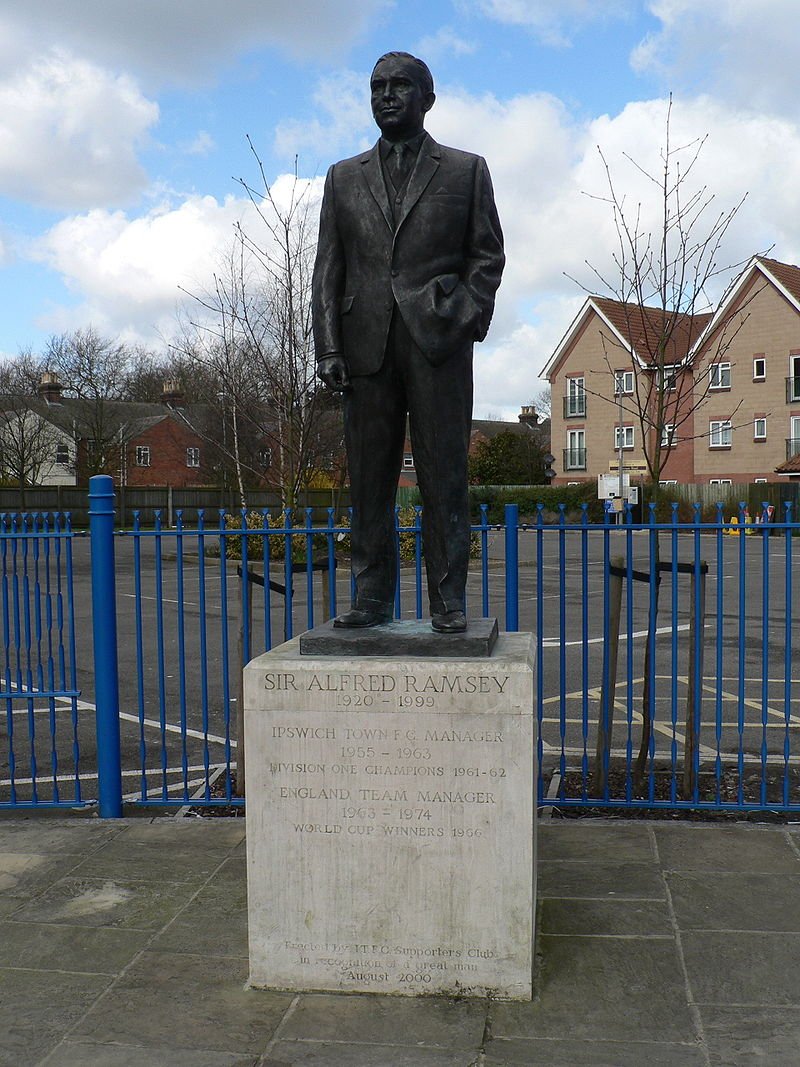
<point>665,280</point>
<point>94,370</point>
<point>542,402</point>
<point>258,342</point>
<point>28,442</point>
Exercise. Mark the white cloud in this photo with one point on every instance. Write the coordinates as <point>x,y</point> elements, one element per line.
<point>129,272</point>
<point>202,144</point>
<point>445,42</point>
<point>68,131</point>
<point>174,42</point>
<point>342,102</point>
<point>744,52</point>
<point>554,23</point>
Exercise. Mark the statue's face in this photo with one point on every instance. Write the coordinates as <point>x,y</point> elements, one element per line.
<point>399,102</point>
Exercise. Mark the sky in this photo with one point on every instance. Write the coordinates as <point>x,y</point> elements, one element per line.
<point>124,127</point>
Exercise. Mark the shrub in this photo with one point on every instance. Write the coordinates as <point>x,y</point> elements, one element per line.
<point>528,497</point>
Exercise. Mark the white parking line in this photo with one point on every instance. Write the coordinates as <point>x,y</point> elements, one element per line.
<point>554,642</point>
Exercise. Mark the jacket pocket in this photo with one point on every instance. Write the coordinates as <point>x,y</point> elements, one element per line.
<point>447,283</point>
<point>347,303</point>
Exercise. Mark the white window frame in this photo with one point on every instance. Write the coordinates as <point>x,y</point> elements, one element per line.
<point>668,481</point>
<point>719,371</point>
<point>762,376</point>
<point>720,481</point>
<point>668,435</point>
<point>192,456</point>
<point>63,455</point>
<point>628,437</point>
<point>756,435</point>
<point>576,396</point>
<point>408,461</point>
<point>668,375</point>
<point>723,432</point>
<point>576,449</point>
<point>759,481</point>
<point>623,382</point>
<point>143,455</point>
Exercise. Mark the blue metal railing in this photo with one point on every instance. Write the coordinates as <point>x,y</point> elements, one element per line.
<point>697,709</point>
<point>40,753</point>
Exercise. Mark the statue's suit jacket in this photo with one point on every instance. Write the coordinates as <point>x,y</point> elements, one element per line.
<point>440,260</point>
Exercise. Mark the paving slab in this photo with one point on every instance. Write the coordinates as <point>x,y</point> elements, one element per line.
<point>186,858</point>
<point>597,880</point>
<point>581,841</point>
<point>160,904</point>
<point>25,873</point>
<point>632,918</point>
<point>119,903</point>
<point>602,989</point>
<point>725,848</point>
<point>85,1054</point>
<point>186,1002</point>
<point>215,922</point>
<point>327,1054</point>
<point>38,1007</point>
<point>745,1038</point>
<point>48,836</point>
<point>735,901</point>
<point>557,1053</point>
<point>743,968</point>
<point>400,1020</point>
<point>45,947</point>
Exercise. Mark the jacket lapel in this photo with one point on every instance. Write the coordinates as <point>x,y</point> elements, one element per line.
<point>424,169</point>
<point>371,169</point>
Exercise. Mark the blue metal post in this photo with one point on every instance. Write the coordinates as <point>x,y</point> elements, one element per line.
<point>104,626</point>
<point>512,567</point>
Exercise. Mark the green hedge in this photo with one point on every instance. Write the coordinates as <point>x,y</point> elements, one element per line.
<point>527,497</point>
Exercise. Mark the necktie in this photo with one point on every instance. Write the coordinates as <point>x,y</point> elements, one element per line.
<point>399,163</point>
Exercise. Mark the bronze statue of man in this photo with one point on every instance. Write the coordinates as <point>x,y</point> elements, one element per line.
<point>409,259</point>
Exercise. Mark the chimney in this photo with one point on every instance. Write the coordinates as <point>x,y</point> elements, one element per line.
<point>50,387</point>
<point>171,392</point>
<point>528,416</point>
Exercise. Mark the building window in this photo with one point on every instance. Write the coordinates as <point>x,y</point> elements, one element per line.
<point>720,435</point>
<point>759,369</point>
<point>62,455</point>
<point>719,376</point>
<point>575,452</point>
<point>575,400</point>
<point>623,381</point>
<point>668,377</point>
<point>142,455</point>
<point>669,481</point>
<point>720,481</point>
<point>625,440</point>
<point>408,461</point>
<point>667,435</point>
<point>265,457</point>
<point>760,481</point>
<point>759,429</point>
<point>192,457</point>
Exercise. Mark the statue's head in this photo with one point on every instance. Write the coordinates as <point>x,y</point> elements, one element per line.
<point>402,94</point>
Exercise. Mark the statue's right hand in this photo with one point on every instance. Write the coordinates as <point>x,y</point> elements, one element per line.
<point>333,372</point>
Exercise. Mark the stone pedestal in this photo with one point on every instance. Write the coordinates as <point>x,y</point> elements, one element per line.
<point>391,822</point>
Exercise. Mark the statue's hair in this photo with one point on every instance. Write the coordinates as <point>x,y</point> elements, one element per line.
<point>421,68</point>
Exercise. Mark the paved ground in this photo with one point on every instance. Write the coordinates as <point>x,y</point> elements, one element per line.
<point>124,944</point>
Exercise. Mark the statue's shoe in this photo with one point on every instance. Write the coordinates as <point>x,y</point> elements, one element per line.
<point>449,622</point>
<point>357,617</point>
